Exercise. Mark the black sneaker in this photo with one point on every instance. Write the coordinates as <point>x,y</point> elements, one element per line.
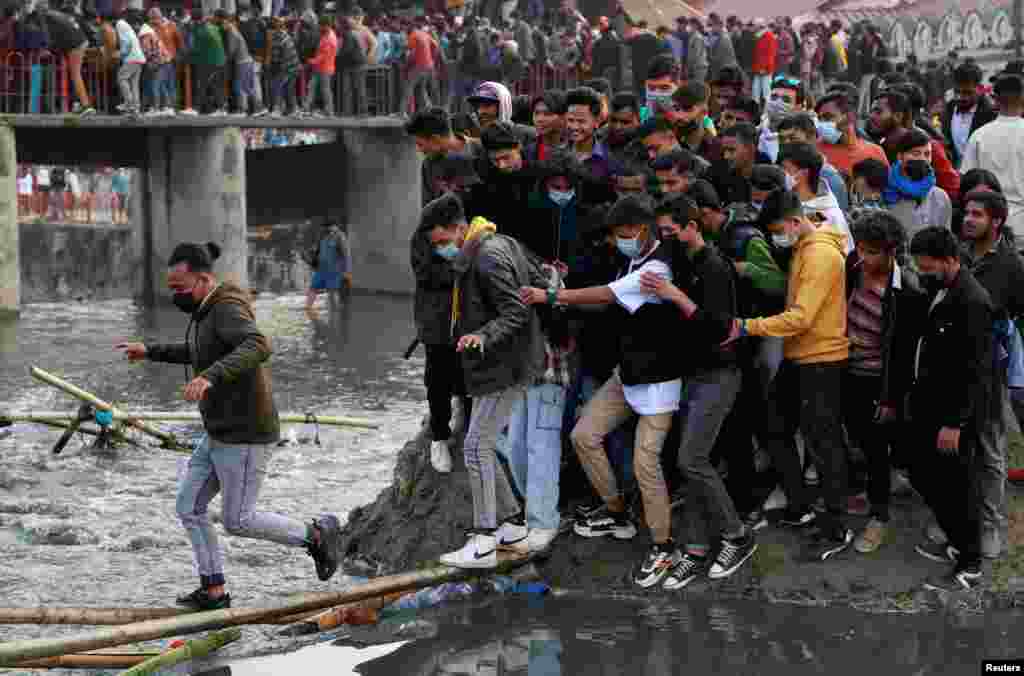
<point>200,599</point>
<point>734,553</point>
<point>608,524</point>
<point>798,518</point>
<point>755,521</point>
<point>823,546</point>
<point>657,563</point>
<point>689,568</point>
<point>589,509</point>
<point>944,553</point>
<point>962,580</point>
<point>325,552</point>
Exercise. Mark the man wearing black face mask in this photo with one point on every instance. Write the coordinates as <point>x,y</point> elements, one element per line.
<point>952,402</point>
<point>227,352</point>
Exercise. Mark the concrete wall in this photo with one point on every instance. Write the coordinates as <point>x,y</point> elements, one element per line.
<point>10,295</point>
<point>381,178</point>
<point>61,262</point>
<point>274,262</point>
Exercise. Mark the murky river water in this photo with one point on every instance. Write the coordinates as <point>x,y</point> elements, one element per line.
<point>88,529</point>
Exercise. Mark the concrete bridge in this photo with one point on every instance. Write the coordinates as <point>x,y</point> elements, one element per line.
<point>198,182</point>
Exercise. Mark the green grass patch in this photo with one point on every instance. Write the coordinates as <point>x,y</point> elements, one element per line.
<point>904,601</point>
<point>1011,565</point>
<point>1016,449</point>
<point>769,559</point>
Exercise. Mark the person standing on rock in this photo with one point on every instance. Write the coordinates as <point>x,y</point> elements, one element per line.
<point>227,354</point>
<point>501,349</point>
<point>442,376</point>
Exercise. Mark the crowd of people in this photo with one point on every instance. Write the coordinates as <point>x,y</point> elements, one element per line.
<point>272,60</point>
<point>738,302</point>
<point>67,195</point>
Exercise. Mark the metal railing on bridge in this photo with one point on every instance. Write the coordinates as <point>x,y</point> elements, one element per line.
<point>39,82</point>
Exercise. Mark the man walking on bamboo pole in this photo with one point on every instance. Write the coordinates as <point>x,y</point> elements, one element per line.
<point>227,354</point>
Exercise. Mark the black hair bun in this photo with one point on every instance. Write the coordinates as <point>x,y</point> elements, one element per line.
<point>214,250</point>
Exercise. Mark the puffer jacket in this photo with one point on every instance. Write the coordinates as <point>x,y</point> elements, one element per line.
<point>432,304</point>
<point>490,271</point>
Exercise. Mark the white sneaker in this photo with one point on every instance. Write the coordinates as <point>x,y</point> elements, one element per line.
<point>811,475</point>
<point>479,551</point>
<point>440,456</point>
<point>512,532</point>
<point>777,500</point>
<point>539,540</point>
<point>189,111</point>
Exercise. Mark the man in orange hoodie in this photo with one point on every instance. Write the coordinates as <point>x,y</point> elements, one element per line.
<point>766,51</point>
<point>323,69</point>
<point>815,352</point>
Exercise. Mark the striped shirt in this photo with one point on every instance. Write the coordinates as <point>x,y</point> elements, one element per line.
<point>864,329</point>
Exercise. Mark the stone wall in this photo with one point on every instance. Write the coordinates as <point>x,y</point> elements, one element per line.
<point>60,262</point>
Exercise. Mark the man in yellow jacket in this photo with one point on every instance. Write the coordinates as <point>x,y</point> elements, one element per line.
<point>815,352</point>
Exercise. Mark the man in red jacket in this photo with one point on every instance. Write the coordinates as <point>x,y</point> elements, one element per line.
<point>766,51</point>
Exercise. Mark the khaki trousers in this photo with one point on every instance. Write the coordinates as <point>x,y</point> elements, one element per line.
<point>602,415</point>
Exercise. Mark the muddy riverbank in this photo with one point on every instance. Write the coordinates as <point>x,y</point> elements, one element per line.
<point>423,514</point>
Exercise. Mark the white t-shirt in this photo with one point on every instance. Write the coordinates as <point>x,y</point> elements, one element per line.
<point>73,184</point>
<point>999,147</point>
<point>649,398</point>
<point>25,185</point>
<point>43,177</point>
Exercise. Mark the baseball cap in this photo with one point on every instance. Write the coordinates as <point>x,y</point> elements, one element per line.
<point>485,91</point>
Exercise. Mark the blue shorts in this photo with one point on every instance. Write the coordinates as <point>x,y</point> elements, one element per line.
<point>325,281</point>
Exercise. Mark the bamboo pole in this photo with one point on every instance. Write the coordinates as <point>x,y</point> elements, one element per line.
<point>79,393</point>
<point>192,650</point>
<point>13,652</point>
<point>88,661</point>
<point>192,416</point>
<point>106,616</point>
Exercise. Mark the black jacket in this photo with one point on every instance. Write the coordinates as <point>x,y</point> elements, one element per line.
<point>490,271</point>
<point>432,304</point>
<point>984,114</point>
<point>904,309</point>
<point>607,53</point>
<point>955,381</point>
<point>1001,272</point>
<point>224,345</point>
<point>710,282</point>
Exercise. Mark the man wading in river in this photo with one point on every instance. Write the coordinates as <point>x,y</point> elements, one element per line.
<point>227,352</point>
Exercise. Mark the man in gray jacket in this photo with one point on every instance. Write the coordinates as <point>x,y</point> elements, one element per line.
<point>501,349</point>
<point>696,54</point>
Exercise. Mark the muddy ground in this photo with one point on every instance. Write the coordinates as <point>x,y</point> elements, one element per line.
<point>424,514</point>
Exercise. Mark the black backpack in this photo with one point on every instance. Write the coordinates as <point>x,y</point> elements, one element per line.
<point>308,42</point>
<point>351,54</point>
<point>255,33</point>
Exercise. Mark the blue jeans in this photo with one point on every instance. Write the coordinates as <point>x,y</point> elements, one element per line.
<point>761,88</point>
<point>238,473</point>
<point>533,448</point>
<point>618,444</point>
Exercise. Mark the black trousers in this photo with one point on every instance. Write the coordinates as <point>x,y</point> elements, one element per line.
<point>809,398</point>
<point>948,485</point>
<point>860,403</point>
<point>747,487</point>
<point>207,87</point>
<point>443,380</point>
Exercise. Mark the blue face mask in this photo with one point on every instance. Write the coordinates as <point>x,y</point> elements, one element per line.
<point>829,132</point>
<point>561,197</point>
<point>659,100</point>
<point>630,248</point>
<point>448,251</point>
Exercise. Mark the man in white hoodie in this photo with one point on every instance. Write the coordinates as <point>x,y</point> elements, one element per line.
<point>802,163</point>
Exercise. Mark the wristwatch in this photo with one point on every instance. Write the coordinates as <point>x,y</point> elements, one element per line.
<point>552,296</point>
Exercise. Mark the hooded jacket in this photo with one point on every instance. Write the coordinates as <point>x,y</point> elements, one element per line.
<point>224,345</point>
<point>814,321</point>
<point>489,272</point>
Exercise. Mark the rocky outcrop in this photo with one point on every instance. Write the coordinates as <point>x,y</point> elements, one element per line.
<point>412,522</point>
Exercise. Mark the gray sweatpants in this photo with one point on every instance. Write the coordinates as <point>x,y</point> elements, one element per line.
<point>493,499</point>
<point>237,472</point>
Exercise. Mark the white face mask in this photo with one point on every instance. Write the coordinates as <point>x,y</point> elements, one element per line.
<point>790,182</point>
<point>785,240</point>
<point>561,197</point>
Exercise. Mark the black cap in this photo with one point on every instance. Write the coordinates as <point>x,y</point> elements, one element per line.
<point>1009,85</point>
